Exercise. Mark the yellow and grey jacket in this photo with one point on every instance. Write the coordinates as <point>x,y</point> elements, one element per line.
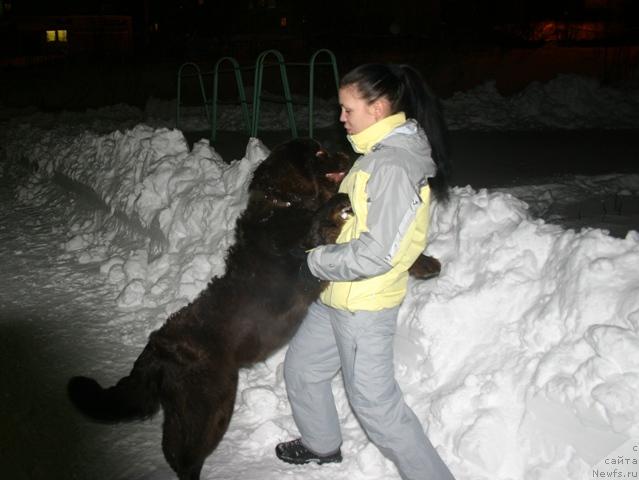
<point>388,188</point>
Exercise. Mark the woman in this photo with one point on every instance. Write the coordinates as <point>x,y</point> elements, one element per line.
<point>392,118</point>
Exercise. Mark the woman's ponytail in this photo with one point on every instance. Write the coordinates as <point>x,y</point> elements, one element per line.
<point>407,91</point>
<point>420,102</point>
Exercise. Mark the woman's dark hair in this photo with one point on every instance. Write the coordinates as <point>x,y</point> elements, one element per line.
<point>407,92</point>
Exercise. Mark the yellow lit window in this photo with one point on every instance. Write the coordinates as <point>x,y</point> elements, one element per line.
<point>56,36</point>
<point>283,22</point>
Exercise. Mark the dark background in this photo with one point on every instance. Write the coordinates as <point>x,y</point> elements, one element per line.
<point>125,51</point>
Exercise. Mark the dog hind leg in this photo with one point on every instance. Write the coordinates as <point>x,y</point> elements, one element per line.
<point>197,412</point>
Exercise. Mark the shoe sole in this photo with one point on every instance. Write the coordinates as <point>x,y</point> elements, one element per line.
<point>310,460</point>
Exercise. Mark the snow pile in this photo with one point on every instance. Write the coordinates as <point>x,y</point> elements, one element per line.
<point>148,184</point>
<point>566,102</point>
<point>526,320</point>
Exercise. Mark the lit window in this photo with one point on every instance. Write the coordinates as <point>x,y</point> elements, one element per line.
<point>283,22</point>
<point>56,36</point>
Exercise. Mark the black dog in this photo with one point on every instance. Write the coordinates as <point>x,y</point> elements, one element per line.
<point>190,365</point>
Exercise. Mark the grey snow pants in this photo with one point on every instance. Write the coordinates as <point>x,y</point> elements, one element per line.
<point>361,344</point>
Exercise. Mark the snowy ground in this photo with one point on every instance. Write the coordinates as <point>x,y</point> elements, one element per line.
<point>522,358</point>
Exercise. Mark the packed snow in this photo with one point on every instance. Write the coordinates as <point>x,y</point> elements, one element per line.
<point>521,358</point>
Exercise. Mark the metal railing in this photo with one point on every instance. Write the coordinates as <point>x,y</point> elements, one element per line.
<point>251,121</point>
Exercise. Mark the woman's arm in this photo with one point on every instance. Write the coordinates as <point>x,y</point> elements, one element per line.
<point>393,200</point>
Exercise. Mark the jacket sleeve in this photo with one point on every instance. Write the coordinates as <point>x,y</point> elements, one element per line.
<point>393,199</point>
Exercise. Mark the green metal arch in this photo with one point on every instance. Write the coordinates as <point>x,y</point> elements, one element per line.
<point>198,74</point>
<point>240,89</point>
<point>257,90</point>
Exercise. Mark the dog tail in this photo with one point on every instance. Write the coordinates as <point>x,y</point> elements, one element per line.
<point>135,396</point>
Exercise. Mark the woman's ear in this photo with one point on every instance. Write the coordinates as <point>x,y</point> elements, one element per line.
<point>381,108</point>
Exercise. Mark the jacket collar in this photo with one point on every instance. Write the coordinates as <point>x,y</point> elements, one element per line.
<point>364,141</point>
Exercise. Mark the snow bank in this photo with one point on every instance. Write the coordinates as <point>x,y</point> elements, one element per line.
<point>566,102</point>
<point>526,321</point>
<point>149,185</point>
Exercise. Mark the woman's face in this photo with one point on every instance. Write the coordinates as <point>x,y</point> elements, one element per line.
<point>357,114</point>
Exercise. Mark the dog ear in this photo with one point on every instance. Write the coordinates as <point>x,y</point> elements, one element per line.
<point>339,173</point>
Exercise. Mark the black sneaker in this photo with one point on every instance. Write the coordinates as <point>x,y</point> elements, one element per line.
<point>295,452</point>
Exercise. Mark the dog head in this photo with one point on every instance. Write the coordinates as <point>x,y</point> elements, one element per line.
<point>299,173</point>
